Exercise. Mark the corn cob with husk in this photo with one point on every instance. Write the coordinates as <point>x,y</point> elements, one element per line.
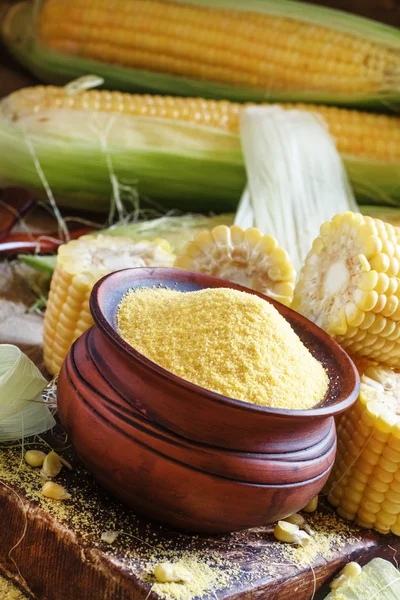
<point>246,257</point>
<point>275,49</point>
<point>365,481</point>
<point>184,153</point>
<point>349,286</point>
<point>80,264</point>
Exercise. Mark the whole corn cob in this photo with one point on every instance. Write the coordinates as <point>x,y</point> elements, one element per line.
<point>246,257</point>
<point>183,151</point>
<point>365,482</point>
<point>349,286</point>
<point>80,264</point>
<point>228,49</point>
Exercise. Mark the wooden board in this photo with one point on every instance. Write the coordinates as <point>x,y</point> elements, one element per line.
<point>54,550</point>
<point>59,555</point>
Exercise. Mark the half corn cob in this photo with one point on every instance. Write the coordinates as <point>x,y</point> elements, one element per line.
<point>246,257</point>
<point>180,152</point>
<point>280,50</point>
<point>349,286</point>
<point>80,264</point>
<point>365,480</point>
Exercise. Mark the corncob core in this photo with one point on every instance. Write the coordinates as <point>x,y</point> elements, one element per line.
<point>358,134</point>
<point>365,482</point>
<point>237,47</point>
<point>349,286</point>
<point>246,257</point>
<point>80,264</point>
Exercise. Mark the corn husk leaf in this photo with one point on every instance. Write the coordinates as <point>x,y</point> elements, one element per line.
<point>53,67</point>
<point>23,413</point>
<point>379,580</point>
<point>296,178</point>
<point>45,264</point>
<point>176,164</point>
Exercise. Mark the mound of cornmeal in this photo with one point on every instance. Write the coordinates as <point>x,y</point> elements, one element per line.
<point>226,341</point>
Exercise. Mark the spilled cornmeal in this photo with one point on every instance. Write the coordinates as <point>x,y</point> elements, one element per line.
<point>226,341</point>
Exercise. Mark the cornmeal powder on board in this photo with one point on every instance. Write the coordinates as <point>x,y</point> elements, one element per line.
<point>226,341</point>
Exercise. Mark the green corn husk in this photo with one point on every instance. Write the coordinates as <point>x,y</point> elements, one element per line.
<point>177,165</point>
<point>44,264</point>
<point>85,157</point>
<point>378,580</point>
<point>18,33</point>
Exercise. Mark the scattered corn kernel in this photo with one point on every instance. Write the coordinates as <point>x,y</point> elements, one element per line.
<point>51,466</point>
<point>291,534</point>
<point>227,341</point>
<point>300,521</point>
<point>54,491</point>
<point>311,506</point>
<point>168,573</point>
<point>352,569</point>
<point>109,536</point>
<point>34,458</point>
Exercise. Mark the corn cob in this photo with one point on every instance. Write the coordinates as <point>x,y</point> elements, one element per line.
<point>181,150</point>
<point>365,482</point>
<point>240,50</point>
<point>349,286</point>
<point>80,264</point>
<point>357,134</point>
<point>248,258</point>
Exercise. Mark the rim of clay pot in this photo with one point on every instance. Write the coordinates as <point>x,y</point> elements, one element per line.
<point>104,287</point>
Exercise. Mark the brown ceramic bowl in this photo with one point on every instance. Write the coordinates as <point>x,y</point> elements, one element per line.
<point>183,484</point>
<point>196,413</point>
<point>181,454</point>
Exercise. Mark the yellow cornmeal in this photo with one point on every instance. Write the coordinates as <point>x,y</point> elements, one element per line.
<point>226,341</point>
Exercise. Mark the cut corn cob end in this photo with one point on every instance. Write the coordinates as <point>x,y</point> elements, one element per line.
<point>349,286</point>
<point>246,257</point>
<point>365,482</point>
<point>81,263</point>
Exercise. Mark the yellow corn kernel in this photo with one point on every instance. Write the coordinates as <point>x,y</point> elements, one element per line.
<point>34,458</point>
<point>311,506</point>
<point>291,534</point>
<point>170,573</point>
<point>349,571</point>
<point>80,264</point>
<point>54,491</point>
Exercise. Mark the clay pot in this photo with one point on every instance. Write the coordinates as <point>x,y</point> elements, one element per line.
<point>183,455</point>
